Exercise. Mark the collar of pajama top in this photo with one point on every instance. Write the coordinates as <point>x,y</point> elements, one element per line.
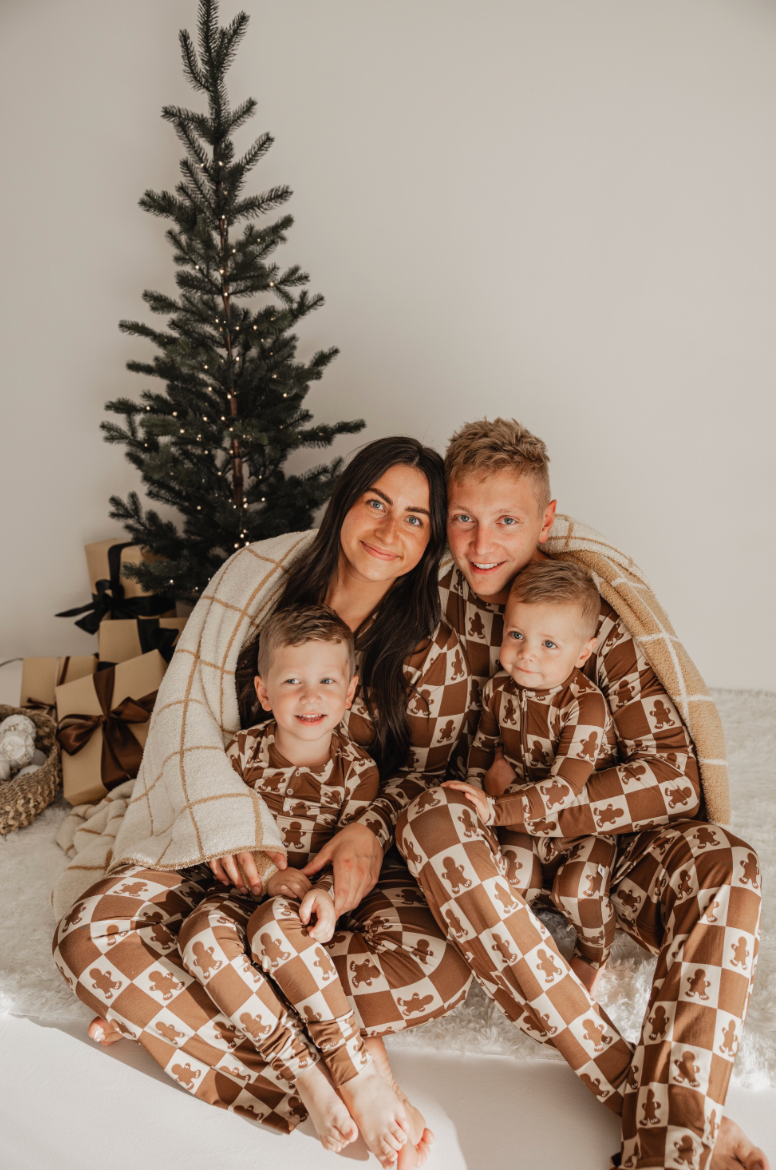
<point>266,770</point>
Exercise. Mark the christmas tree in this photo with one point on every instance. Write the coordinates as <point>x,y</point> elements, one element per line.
<point>212,444</point>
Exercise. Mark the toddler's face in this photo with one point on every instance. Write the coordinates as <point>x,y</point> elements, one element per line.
<point>542,643</point>
<point>308,688</point>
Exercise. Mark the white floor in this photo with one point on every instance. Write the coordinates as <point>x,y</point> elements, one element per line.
<point>66,1104</point>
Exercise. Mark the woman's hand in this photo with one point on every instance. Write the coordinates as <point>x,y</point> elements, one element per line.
<point>318,904</point>
<point>483,805</point>
<point>240,870</point>
<point>356,856</point>
<point>499,775</point>
<point>288,881</point>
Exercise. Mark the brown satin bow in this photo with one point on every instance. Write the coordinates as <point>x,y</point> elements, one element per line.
<point>121,752</point>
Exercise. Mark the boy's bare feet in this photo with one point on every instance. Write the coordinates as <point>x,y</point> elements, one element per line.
<point>734,1151</point>
<point>105,1032</point>
<point>378,1112</point>
<point>333,1124</point>
<point>588,976</point>
<point>417,1149</point>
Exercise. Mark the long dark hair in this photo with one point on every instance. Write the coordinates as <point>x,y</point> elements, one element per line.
<point>408,614</point>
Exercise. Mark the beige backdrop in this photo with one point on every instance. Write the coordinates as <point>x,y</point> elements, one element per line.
<point>557,210</point>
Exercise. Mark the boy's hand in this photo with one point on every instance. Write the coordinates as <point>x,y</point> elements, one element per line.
<point>318,904</point>
<point>483,805</point>
<point>288,881</point>
<point>499,775</point>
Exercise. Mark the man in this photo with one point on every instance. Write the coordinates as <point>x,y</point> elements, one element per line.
<point>685,890</point>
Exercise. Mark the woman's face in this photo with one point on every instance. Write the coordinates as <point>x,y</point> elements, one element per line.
<point>386,532</point>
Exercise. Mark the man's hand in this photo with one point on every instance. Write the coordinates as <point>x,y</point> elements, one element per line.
<point>288,881</point>
<point>499,775</point>
<point>318,904</point>
<point>356,855</point>
<point>483,805</point>
<point>240,870</point>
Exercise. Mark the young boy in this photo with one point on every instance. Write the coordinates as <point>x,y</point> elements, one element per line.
<point>555,729</point>
<point>314,780</point>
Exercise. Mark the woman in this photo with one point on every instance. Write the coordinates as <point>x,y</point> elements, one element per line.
<point>374,561</point>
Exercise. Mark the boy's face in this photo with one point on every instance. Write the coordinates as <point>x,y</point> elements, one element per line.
<point>494,528</point>
<point>542,643</point>
<point>308,688</point>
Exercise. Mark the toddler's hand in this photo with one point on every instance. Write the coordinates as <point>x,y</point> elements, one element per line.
<point>288,881</point>
<point>499,775</point>
<point>483,806</point>
<point>318,903</point>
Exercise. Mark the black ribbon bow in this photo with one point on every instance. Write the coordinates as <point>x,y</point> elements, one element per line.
<point>109,600</point>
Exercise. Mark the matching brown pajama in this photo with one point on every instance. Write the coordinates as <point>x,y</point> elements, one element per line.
<point>553,738</point>
<point>686,890</point>
<point>118,946</point>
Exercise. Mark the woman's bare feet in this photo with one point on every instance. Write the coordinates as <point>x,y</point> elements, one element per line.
<point>105,1032</point>
<point>417,1149</point>
<point>379,1113</point>
<point>333,1124</point>
<point>734,1151</point>
<point>588,976</point>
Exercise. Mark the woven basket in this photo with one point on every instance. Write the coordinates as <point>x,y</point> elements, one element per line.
<point>23,797</point>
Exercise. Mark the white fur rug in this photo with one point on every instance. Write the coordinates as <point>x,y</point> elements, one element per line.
<point>31,985</point>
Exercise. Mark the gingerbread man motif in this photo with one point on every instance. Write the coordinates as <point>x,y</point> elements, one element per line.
<point>751,872</point>
<point>253,1026</point>
<point>509,714</point>
<point>426,800</point>
<point>713,1127</point>
<point>539,1023</point>
<point>454,875</point>
<point>296,1108</point>
<point>104,983</point>
<point>226,1033</point>
<point>204,958</point>
<point>698,984</point>
<point>685,887</point>
<point>410,854</point>
<point>446,732</point>
<point>363,972</point>
<point>299,808</point>
<point>553,793</point>
<point>113,934</point>
<point>162,936</point>
<point>594,883</point>
<point>729,1044</point>
<point>422,950</point>
<point>539,757</point>
<point>587,749</point>
<point>651,1108</point>
<point>678,796</point>
<point>662,716</point>
<point>659,1022</point>
<point>469,825</point>
<point>412,897</point>
<point>624,693</point>
<point>594,1085</point>
<point>165,985</point>
<point>595,1034</point>
<point>608,815</point>
<point>476,628</point>
<point>709,915</point>
<point>311,1016</point>
<point>416,1003</point>
<point>686,1152</point>
<point>74,917</point>
<point>704,836</point>
<point>632,1077</point>
<point>541,825</point>
<point>421,704</point>
<point>740,953</point>
<point>504,897</point>
<point>133,889</point>
<point>244,1110</point>
<point>292,835</point>
<point>455,924</point>
<point>458,670</point>
<point>502,947</point>
<point>546,964</point>
<point>324,965</point>
<point>513,866</point>
<point>167,1032</point>
<point>687,1070</point>
<point>629,900</point>
<point>186,1075</point>
<point>273,952</point>
<point>633,772</point>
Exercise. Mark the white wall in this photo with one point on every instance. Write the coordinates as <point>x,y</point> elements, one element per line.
<point>556,210</point>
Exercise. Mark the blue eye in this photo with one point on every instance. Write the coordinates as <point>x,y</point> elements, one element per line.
<point>375,503</point>
<point>509,520</point>
<point>415,521</point>
<point>327,680</point>
<point>463,518</point>
<point>516,635</point>
<point>550,645</point>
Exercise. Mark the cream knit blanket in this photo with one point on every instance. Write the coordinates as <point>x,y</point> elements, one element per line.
<point>188,805</point>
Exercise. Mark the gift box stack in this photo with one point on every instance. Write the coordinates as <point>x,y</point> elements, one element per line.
<point>103,702</point>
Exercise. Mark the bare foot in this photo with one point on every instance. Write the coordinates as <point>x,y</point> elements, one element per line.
<point>105,1032</point>
<point>380,1115</point>
<point>734,1151</point>
<point>333,1124</point>
<point>588,976</point>
<point>417,1149</point>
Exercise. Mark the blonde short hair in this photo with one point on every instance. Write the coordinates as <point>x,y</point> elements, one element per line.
<point>294,627</point>
<point>480,447</point>
<point>559,583</point>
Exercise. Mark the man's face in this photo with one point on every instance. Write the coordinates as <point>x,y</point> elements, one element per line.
<point>494,528</point>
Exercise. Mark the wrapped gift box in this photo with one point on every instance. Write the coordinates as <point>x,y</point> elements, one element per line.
<point>114,596</point>
<point>122,640</point>
<point>40,677</point>
<point>103,724</point>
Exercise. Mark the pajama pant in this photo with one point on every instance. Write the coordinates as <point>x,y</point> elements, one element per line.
<point>118,951</point>
<point>689,893</point>
<point>576,874</point>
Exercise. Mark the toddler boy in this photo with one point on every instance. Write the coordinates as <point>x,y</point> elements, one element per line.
<point>555,729</point>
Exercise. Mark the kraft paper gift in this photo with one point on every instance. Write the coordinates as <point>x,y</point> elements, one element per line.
<point>125,639</point>
<point>41,676</point>
<point>114,596</point>
<point>103,723</point>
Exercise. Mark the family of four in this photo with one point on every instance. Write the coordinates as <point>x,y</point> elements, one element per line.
<point>368,761</point>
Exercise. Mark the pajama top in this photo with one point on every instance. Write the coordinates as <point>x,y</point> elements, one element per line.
<point>554,739</point>
<point>309,804</point>
<point>657,780</point>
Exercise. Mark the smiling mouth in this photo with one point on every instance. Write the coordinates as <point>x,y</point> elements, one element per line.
<point>311,719</point>
<point>486,567</point>
<point>381,553</point>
